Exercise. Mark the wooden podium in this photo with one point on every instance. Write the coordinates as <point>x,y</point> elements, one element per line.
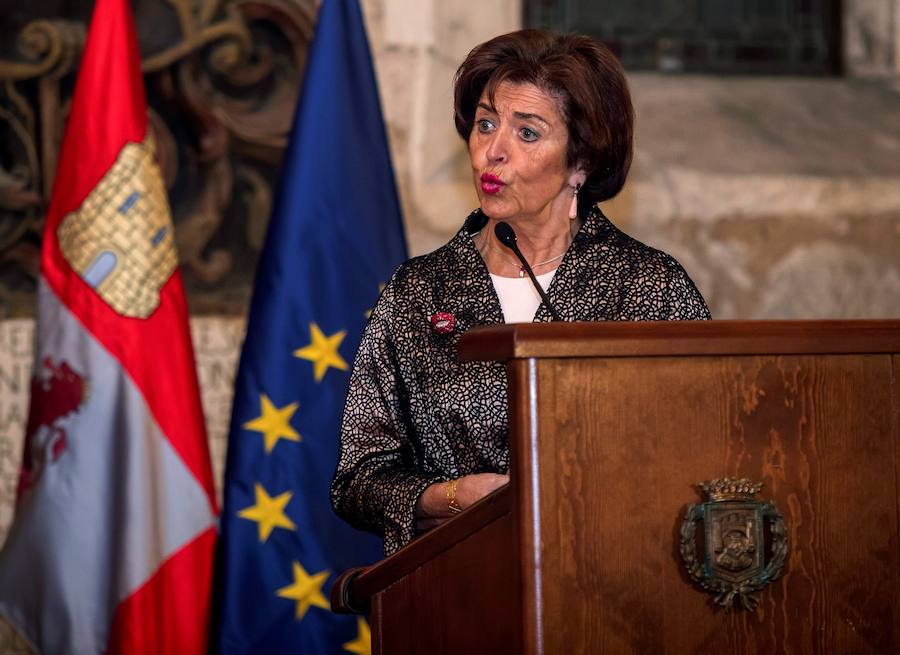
<point>612,426</point>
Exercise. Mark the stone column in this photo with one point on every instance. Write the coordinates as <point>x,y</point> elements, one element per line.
<point>417,48</point>
<point>872,37</point>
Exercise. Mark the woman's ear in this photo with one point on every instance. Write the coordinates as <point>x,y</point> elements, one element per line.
<point>577,178</point>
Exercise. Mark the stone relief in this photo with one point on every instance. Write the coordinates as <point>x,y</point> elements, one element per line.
<point>221,77</point>
<point>15,381</point>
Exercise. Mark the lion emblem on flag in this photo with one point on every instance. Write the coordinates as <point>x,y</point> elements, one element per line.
<point>57,392</point>
<point>120,240</point>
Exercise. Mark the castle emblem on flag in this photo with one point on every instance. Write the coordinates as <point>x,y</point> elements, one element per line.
<point>120,240</point>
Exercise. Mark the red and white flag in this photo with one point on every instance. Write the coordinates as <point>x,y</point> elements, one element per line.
<point>112,545</point>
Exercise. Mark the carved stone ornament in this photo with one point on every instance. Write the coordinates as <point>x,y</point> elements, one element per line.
<point>744,542</point>
<point>221,77</point>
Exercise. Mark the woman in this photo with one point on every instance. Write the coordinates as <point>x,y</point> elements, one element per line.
<point>548,121</point>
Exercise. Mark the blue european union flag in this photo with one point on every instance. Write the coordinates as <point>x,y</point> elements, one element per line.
<point>335,236</point>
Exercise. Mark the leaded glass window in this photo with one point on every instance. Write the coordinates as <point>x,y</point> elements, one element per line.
<point>722,36</point>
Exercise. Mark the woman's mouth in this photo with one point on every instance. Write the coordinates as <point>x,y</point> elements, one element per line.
<point>491,184</point>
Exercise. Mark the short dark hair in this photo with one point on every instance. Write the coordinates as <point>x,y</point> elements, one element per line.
<point>583,75</point>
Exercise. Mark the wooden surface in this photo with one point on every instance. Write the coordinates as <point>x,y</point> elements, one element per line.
<point>525,481</point>
<point>429,546</point>
<point>621,444</point>
<point>464,601</point>
<point>625,339</point>
<point>610,432</point>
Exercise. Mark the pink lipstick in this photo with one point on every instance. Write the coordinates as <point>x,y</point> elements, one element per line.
<point>491,184</point>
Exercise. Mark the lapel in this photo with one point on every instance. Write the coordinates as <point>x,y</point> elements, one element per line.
<point>470,285</point>
<point>576,267</point>
<point>476,301</point>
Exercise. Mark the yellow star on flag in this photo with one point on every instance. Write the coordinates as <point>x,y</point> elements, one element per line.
<point>273,423</point>
<point>268,512</point>
<point>362,645</point>
<point>323,351</point>
<point>306,590</point>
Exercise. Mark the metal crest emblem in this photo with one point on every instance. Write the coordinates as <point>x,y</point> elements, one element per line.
<point>738,559</point>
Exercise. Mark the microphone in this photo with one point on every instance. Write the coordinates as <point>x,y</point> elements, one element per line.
<point>507,237</point>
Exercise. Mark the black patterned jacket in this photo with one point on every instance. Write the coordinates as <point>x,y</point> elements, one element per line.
<point>415,415</point>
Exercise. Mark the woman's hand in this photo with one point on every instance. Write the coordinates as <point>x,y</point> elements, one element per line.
<point>472,488</point>
<point>433,508</point>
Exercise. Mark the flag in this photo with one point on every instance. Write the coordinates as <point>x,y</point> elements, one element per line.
<point>111,550</point>
<point>335,236</point>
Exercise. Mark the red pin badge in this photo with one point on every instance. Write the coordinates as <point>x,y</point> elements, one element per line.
<point>443,322</point>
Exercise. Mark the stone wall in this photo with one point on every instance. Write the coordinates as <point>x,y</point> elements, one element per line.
<point>781,196</point>
<point>417,48</point>
<point>871,31</point>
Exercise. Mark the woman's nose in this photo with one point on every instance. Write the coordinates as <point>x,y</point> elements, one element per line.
<point>497,151</point>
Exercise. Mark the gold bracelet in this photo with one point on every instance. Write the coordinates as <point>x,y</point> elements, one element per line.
<point>452,503</point>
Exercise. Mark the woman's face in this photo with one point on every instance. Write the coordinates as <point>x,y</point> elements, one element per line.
<point>518,152</point>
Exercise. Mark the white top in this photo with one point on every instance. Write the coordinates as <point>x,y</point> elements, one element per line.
<point>519,299</point>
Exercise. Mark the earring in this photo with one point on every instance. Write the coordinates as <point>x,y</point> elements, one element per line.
<point>573,209</point>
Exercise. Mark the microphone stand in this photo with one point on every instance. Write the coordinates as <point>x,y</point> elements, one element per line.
<point>507,237</point>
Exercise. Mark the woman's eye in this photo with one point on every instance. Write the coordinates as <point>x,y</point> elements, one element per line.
<point>528,134</point>
<point>484,125</point>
